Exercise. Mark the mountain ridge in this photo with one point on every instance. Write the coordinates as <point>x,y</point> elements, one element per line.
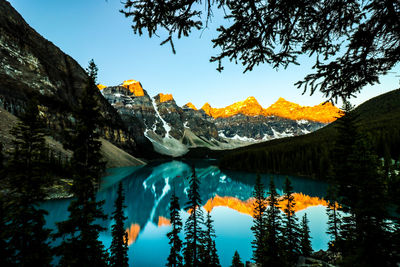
<point>173,130</point>
<point>310,155</point>
<point>33,67</point>
<point>324,112</point>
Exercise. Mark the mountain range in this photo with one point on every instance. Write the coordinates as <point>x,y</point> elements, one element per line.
<point>133,122</point>
<point>310,155</point>
<point>174,130</point>
<point>137,125</point>
<point>31,66</point>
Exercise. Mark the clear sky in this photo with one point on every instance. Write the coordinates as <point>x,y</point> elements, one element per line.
<point>87,29</point>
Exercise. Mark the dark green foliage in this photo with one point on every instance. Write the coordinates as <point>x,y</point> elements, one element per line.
<point>80,245</point>
<point>92,70</point>
<point>236,261</point>
<point>360,189</point>
<point>4,250</point>
<point>259,221</point>
<point>347,134</point>
<point>365,230</point>
<point>193,245</point>
<point>175,255</point>
<point>291,230</point>
<point>273,253</point>
<point>1,161</point>
<point>119,243</point>
<point>334,218</point>
<point>26,239</point>
<point>353,42</point>
<point>305,239</point>
<point>214,256</point>
<point>312,154</point>
<point>209,255</point>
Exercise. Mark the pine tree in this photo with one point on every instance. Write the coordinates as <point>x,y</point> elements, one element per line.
<point>347,134</point>
<point>175,257</point>
<point>236,261</point>
<point>291,231</point>
<point>25,235</point>
<point>273,245</point>
<point>259,221</point>
<point>305,239</point>
<point>209,255</point>
<point>119,243</point>
<point>193,225</point>
<point>1,161</point>
<point>365,230</point>
<point>334,219</point>
<point>214,256</point>
<point>80,245</point>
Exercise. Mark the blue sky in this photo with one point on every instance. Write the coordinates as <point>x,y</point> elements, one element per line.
<point>95,29</point>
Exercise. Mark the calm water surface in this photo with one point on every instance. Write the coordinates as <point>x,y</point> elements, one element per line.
<point>226,194</point>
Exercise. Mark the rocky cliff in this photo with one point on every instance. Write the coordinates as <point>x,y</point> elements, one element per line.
<point>173,129</point>
<point>31,66</point>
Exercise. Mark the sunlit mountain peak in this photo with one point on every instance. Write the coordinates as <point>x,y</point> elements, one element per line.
<point>324,112</point>
<point>190,105</point>
<point>134,86</point>
<point>101,87</point>
<point>249,107</point>
<point>164,97</point>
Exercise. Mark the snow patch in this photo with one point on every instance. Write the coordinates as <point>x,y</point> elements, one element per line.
<point>302,122</point>
<point>165,190</point>
<point>244,138</point>
<point>281,135</point>
<point>165,124</point>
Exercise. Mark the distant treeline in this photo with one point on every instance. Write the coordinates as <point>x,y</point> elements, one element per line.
<point>311,155</point>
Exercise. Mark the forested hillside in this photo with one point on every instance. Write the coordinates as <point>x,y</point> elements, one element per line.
<point>311,154</point>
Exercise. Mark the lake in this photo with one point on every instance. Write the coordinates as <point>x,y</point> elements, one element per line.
<point>226,194</point>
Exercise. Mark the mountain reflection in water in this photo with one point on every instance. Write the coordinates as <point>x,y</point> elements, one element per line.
<point>227,195</point>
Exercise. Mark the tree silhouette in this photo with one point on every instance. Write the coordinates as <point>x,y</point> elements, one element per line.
<point>354,42</point>
<point>175,258</point>
<point>119,243</point>
<point>26,239</point>
<point>365,231</point>
<point>334,218</point>
<point>193,245</point>
<point>259,221</point>
<point>209,252</point>
<point>305,239</point>
<point>80,245</point>
<point>236,261</point>
<point>291,231</point>
<point>347,134</point>
<point>1,161</point>
<point>273,253</point>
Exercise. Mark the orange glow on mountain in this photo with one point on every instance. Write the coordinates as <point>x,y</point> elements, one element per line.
<point>101,87</point>
<point>162,221</point>
<point>133,233</point>
<point>246,207</point>
<point>234,203</point>
<point>249,106</point>
<point>190,105</point>
<point>165,97</point>
<point>304,201</point>
<point>134,86</point>
<point>324,113</point>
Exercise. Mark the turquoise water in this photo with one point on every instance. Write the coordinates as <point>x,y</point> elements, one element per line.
<point>148,190</point>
